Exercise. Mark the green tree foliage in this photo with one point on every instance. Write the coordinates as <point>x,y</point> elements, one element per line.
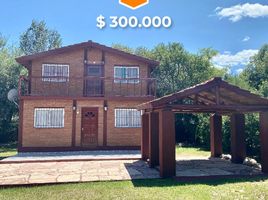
<point>123,48</point>
<point>9,76</point>
<point>38,37</point>
<point>256,72</point>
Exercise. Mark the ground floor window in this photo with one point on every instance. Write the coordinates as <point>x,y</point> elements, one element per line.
<point>127,117</point>
<point>49,117</point>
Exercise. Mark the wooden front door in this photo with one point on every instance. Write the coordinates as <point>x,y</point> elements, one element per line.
<point>89,127</point>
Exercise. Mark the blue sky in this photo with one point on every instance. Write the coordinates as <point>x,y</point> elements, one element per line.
<point>220,24</point>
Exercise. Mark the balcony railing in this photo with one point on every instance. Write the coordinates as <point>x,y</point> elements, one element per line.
<point>86,86</point>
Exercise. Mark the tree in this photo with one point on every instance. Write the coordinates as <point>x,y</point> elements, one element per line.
<point>38,37</point>
<point>256,72</point>
<point>180,69</point>
<point>9,76</point>
<point>2,41</point>
<point>123,48</point>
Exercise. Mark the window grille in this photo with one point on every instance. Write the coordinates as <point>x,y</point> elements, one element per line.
<point>126,74</point>
<point>49,118</point>
<point>128,118</point>
<point>55,73</point>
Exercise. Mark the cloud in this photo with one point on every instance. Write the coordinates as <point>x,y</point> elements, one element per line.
<point>239,71</point>
<point>247,38</point>
<point>237,12</point>
<point>239,59</point>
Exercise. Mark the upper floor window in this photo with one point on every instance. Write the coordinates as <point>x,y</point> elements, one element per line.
<point>49,117</point>
<point>123,74</point>
<point>55,72</point>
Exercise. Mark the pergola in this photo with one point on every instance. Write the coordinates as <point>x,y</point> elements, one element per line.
<point>214,96</point>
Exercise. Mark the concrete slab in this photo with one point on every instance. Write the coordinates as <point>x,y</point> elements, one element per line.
<point>74,155</point>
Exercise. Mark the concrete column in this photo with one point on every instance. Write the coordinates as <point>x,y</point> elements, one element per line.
<point>153,139</point>
<point>145,137</point>
<point>238,141</point>
<point>264,140</point>
<point>216,135</point>
<point>167,159</point>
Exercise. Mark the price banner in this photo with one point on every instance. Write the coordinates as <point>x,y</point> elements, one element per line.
<point>133,22</point>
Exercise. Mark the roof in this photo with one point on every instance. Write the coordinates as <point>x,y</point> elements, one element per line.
<point>25,60</point>
<point>214,95</point>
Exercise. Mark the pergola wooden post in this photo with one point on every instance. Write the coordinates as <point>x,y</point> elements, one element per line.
<point>167,159</point>
<point>264,140</point>
<point>216,135</point>
<point>145,137</point>
<point>153,139</point>
<point>214,96</point>
<point>238,143</point>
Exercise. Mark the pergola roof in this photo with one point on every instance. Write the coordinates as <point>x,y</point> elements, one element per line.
<point>212,96</point>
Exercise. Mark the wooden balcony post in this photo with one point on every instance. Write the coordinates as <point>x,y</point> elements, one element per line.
<point>216,135</point>
<point>145,137</point>
<point>264,141</point>
<point>238,143</point>
<point>153,139</point>
<point>167,159</point>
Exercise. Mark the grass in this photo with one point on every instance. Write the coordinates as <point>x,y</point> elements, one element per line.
<point>7,150</point>
<point>191,151</point>
<point>144,189</point>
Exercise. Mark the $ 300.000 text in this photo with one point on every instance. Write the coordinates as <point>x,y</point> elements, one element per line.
<point>133,22</point>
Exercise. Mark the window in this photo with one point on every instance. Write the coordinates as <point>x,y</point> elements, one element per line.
<point>49,118</point>
<point>127,118</point>
<point>57,72</point>
<point>126,74</point>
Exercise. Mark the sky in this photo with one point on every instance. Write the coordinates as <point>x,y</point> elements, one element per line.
<point>236,29</point>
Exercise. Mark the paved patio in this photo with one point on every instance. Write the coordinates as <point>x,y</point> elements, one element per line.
<point>59,172</point>
<point>212,167</point>
<point>106,170</point>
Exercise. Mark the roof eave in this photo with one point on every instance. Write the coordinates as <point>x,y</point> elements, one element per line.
<point>25,59</point>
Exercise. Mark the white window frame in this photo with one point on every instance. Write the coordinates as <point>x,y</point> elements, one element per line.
<point>127,79</point>
<point>55,77</point>
<point>129,125</point>
<point>49,118</point>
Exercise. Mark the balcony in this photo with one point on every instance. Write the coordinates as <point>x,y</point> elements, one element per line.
<point>86,87</point>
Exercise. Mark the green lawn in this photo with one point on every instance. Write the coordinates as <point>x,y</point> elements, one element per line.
<point>191,151</point>
<point>7,150</point>
<point>144,189</point>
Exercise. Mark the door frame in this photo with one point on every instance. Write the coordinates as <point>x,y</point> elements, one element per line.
<point>97,110</point>
<point>86,75</point>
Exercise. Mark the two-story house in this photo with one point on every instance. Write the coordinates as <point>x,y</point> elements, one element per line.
<point>82,97</point>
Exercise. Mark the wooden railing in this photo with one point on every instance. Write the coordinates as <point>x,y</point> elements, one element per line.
<point>86,86</point>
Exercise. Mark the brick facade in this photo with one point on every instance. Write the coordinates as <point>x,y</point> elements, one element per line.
<point>62,137</point>
<point>70,135</point>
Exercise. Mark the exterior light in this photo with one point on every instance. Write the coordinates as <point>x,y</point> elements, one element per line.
<point>105,108</point>
<point>74,108</point>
